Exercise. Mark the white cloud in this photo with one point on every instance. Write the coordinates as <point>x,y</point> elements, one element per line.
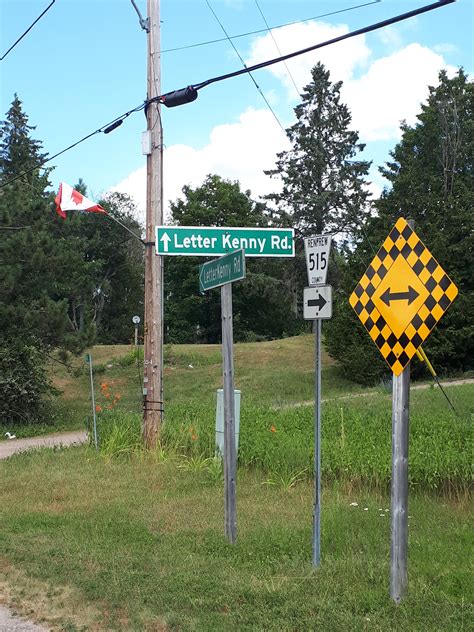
<point>392,90</point>
<point>380,93</point>
<point>341,59</point>
<point>237,151</point>
<point>391,37</point>
<point>446,48</point>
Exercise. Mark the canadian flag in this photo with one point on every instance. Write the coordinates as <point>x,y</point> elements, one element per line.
<point>68,199</point>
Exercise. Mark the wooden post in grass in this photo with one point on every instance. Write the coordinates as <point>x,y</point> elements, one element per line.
<point>230,459</point>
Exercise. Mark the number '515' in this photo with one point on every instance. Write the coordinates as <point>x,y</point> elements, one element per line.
<point>317,260</point>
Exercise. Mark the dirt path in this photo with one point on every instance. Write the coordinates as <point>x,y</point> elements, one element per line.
<point>9,623</point>
<point>12,446</point>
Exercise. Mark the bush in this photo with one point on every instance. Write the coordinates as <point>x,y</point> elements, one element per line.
<point>24,384</point>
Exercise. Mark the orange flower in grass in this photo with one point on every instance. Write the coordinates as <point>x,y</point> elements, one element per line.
<point>273,428</point>
<point>98,409</point>
<point>194,437</point>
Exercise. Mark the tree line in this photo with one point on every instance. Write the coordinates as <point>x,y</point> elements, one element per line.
<point>66,284</point>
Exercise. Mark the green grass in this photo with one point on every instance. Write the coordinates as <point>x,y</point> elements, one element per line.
<point>128,540</point>
<point>142,542</point>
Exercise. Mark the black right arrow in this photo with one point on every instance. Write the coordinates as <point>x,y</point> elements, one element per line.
<point>411,295</point>
<point>319,302</point>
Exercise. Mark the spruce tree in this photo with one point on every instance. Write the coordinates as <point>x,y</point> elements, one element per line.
<point>31,321</point>
<point>323,182</point>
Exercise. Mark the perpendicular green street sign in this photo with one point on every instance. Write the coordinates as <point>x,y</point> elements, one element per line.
<point>227,269</point>
<point>206,241</point>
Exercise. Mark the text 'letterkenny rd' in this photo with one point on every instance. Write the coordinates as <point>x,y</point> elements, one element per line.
<point>208,241</point>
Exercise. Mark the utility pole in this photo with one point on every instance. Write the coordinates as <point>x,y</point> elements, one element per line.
<point>153,326</point>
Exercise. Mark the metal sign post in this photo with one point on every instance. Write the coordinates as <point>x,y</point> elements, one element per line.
<point>230,460</point>
<point>317,450</point>
<point>94,417</point>
<point>136,322</point>
<point>222,272</point>
<point>399,299</point>
<point>399,492</point>
<point>317,306</point>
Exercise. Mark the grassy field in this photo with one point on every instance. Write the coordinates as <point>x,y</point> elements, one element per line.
<point>138,544</point>
<point>124,540</point>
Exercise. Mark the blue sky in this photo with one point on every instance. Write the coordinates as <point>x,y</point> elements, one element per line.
<point>84,64</point>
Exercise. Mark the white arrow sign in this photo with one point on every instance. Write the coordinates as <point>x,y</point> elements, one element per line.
<point>317,258</point>
<point>166,240</point>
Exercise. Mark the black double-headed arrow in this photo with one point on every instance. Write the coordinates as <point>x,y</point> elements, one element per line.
<point>319,302</point>
<point>388,296</point>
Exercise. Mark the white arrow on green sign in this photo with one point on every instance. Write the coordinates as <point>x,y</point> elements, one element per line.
<point>227,269</point>
<point>205,241</point>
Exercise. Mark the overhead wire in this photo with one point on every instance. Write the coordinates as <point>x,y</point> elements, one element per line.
<point>277,47</point>
<point>245,67</point>
<point>27,30</point>
<point>162,98</point>
<point>334,40</point>
<point>106,129</point>
<point>278,26</point>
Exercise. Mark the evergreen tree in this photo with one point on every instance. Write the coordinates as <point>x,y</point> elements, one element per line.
<point>431,176</point>
<point>323,183</point>
<point>31,321</point>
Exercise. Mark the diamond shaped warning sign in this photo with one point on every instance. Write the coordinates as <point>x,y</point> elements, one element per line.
<point>402,295</point>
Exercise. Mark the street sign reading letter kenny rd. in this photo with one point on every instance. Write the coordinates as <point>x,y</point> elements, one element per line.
<point>227,269</point>
<point>208,241</point>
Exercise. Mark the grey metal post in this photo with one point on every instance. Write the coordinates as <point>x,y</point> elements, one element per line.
<point>399,496</point>
<point>230,460</point>
<point>93,402</point>
<point>399,501</point>
<point>317,449</point>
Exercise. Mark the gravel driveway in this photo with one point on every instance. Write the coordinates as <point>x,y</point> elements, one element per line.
<point>12,446</point>
<point>8,623</point>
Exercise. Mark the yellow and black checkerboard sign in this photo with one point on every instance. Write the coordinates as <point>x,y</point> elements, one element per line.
<point>402,295</point>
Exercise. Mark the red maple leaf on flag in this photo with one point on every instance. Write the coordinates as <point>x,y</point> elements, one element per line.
<point>77,197</point>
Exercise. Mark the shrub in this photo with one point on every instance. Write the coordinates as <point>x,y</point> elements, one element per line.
<point>24,385</point>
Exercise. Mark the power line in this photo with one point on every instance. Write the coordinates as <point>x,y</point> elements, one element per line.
<point>245,66</point>
<point>183,95</point>
<point>28,30</point>
<point>277,47</point>
<point>106,129</point>
<point>361,31</point>
<point>279,26</point>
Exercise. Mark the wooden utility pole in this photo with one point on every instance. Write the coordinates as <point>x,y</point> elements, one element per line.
<point>153,329</point>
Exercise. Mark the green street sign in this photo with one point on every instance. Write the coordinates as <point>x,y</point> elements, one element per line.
<point>227,269</point>
<point>204,241</point>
